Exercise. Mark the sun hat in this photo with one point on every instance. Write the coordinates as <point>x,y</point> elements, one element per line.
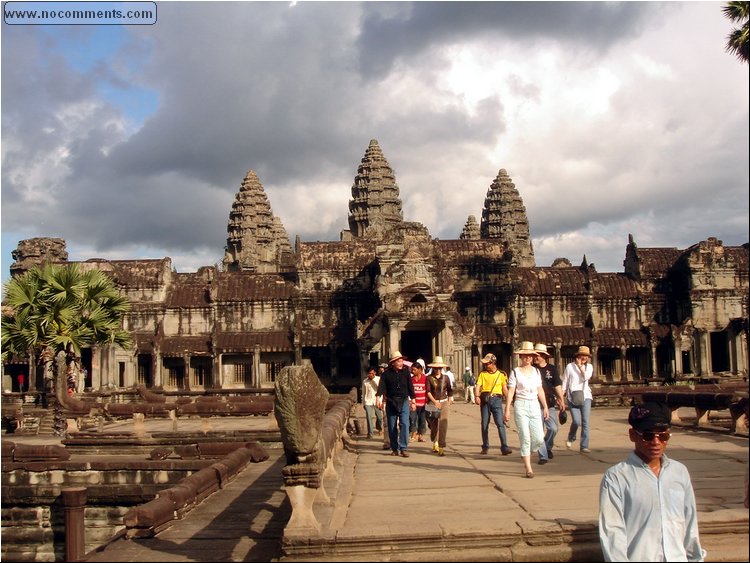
<point>541,349</point>
<point>395,356</point>
<point>438,363</point>
<point>526,349</point>
<point>489,359</point>
<point>583,351</point>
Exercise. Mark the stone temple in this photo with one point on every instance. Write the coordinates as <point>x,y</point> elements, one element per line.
<point>388,285</point>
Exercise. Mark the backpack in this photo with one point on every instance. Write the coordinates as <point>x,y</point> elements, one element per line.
<point>472,381</point>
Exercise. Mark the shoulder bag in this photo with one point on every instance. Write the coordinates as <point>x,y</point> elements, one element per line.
<point>430,410</point>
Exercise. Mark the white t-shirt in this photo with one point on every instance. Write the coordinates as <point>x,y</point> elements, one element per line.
<point>526,385</point>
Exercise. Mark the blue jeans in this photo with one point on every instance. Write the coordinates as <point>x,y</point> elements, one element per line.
<point>494,405</point>
<point>418,421</point>
<point>580,417</point>
<point>373,412</point>
<point>399,435</point>
<point>550,431</point>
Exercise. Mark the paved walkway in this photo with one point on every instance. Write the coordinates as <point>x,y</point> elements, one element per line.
<point>464,506</point>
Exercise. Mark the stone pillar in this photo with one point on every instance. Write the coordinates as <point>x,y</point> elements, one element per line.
<point>31,376</point>
<point>186,363</point>
<point>394,338</point>
<point>74,502</point>
<point>96,368</point>
<point>704,353</point>
<point>255,380</point>
<point>594,358</point>
<point>158,369</point>
<point>218,374</point>
<point>621,364</point>
<point>677,357</point>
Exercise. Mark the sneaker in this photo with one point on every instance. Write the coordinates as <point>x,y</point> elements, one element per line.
<point>404,453</point>
<point>585,451</point>
<point>441,452</point>
<point>543,461</point>
<point>506,451</point>
<point>568,444</point>
<point>435,447</point>
<point>485,451</point>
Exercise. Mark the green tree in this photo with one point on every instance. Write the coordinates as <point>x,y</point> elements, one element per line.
<point>61,308</point>
<point>738,42</point>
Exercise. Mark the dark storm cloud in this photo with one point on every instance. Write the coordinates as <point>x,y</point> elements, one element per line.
<point>400,31</point>
<point>296,93</point>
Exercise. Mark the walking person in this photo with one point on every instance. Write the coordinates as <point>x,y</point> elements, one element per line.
<point>439,397</point>
<point>578,397</point>
<point>491,388</point>
<point>369,391</point>
<point>525,384</point>
<point>397,392</point>
<point>469,382</point>
<point>647,509</point>
<point>552,384</point>
<point>417,418</point>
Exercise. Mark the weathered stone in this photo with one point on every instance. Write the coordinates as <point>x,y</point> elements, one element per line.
<point>299,409</point>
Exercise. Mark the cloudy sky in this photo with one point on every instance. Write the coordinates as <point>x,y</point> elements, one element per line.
<point>611,118</point>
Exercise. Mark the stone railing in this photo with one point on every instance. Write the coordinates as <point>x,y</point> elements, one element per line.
<point>313,427</point>
<point>736,403</point>
<point>147,520</point>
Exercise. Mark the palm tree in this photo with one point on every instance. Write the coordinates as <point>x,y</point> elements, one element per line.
<point>61,308</point>
<point>738,42</point>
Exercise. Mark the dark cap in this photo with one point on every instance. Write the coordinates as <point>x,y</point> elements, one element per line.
<point>650,416</point>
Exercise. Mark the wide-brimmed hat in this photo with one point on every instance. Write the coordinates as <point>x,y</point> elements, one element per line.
<point>541,349</point>
<point>438,363</point>
<point>395,356</point>
<point>489,359</point>
<point>583,351</point>
<point>526,349</point>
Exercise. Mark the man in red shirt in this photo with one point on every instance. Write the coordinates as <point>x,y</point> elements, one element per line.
<point>417,418</point>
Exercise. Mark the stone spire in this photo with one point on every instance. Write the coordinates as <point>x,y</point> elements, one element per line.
<point>375,206</point>
<point>504,218</point>
<point>471,229</point>
<point>257,240</point>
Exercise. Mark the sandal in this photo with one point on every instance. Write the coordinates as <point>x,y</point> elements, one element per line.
<point>529,474</point>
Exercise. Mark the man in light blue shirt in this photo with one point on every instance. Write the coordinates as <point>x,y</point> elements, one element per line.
<point>646,503</point>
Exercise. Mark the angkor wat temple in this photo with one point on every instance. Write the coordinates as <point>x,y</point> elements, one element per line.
<point>387,284</point>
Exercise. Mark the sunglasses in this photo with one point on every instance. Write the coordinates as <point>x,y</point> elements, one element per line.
<point>649,436</point>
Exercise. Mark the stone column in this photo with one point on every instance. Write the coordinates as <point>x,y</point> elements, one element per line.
<point>74,502</point>
<point>394,338</point>
<point>255,379</point>
<point>677,357</point>
<point>704,353</point>
<point>158,368</point>
<point>217,374</point>
<point>186,363</point>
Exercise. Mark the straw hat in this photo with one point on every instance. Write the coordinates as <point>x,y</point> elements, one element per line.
<point>526,349</point>
<point>583,351</point>
<point>438,363</point>
<point>541,349</point>
<point>396,355</point>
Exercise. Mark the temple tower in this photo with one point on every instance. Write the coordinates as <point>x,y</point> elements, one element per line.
<point>257,240</point>
<point>375,207</point>
<point>504,217</point>
<point>471,229</point>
